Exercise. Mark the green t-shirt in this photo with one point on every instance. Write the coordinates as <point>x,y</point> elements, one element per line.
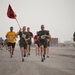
<point>23,36</point>
<point>30,35</point>
<point>41,35</point>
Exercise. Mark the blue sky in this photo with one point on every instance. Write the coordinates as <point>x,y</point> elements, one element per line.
<point>58,16</point>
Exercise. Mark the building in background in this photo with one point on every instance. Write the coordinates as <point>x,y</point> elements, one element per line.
<point>54,42</point>
<point>68,43</point>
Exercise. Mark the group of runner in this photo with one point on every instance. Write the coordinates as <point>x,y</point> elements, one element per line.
<point>41,39</point>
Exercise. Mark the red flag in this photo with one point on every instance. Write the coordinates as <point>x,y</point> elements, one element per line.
<point>10,12</point>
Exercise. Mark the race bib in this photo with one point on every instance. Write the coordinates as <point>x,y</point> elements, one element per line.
<point>48,40</point>
<point>10,37</point>
<point>42,37</point>
<point>23,35</point>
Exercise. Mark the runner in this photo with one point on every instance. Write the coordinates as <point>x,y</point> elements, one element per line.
<point>48,45</point>
<point>37,43</point>
<point>11,37</point>
<point>43,35</point>
<point>74,36</point>
<point>6,44</point>
<point>24,36</point>
<point>1,43</point>
<point>30,40</point>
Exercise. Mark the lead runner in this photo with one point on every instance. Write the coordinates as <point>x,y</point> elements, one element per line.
<point>43,35</point>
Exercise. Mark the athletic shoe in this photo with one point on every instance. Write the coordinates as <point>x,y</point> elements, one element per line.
<point>42,60</point>
<point>24,55</point>
<point>47,56</point>
<point>23,60</point>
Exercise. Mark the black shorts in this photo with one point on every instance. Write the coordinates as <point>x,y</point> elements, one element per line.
<point>38,45</point>
<point>23,44</point>
<point>2,44</point>
<point>29,42</point>
<point>44,44</point>
<point>11,44</point>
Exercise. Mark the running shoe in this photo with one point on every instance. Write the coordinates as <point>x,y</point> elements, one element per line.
<point>24,55</point>
<point>23,60</point>
<point>42,60</point>
<point>47,56</point>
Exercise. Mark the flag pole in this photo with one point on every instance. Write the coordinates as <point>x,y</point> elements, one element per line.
<point>18,23</point>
